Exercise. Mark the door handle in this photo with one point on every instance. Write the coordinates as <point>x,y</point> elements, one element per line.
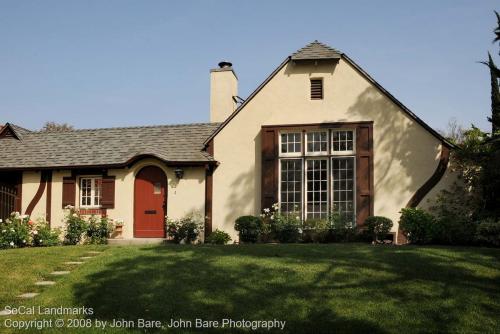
<point>150,212</point>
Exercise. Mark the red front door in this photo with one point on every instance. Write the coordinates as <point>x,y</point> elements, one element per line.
<point>150,198</point>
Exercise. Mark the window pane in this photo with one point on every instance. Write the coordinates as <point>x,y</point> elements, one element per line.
<point>291,142</point>
<point>343,140</point>
<point>317,141</point>
<point>90,191</point>
<point>97,191</point>
<point>343,187</point>
<point>317,188</point>
<point>291,186</point>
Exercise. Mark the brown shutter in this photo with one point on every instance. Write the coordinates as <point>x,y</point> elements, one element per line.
<point>269,143</point>
<point>108,192</point>
<point>68,191</point>
<point>364,172</point>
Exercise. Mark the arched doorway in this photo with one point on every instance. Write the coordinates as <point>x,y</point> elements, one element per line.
<point>150,203</point>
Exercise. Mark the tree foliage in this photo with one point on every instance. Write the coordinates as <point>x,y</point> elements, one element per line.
<point>56,127</point>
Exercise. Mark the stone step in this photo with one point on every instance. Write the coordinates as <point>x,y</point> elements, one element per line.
<point>94,252</point>
<point>5,312</point>
<point>73,262</point>
<point>86,257</point>
<point>43,283</point>
<point>61,272</point>
<point>28,295</point>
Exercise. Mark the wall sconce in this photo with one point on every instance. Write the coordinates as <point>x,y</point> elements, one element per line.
<point>179,173</point>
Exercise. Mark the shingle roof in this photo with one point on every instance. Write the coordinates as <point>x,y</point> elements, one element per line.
<point>106,147</point>
<point>316,50</point>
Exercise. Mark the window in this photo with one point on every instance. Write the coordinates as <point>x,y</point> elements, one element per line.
<point>343,141</point>
<point>343,187</point>
<point>291,185</point>
<point>320,180</point>
<point>90,192</point>
<point>291,143</point>
<point>316,89</point>
<point>317,142</point>
<point>317,188</point>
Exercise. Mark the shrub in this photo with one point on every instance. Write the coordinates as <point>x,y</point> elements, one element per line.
<point>488,233</point>
<point>342,229</point>
<point>76,227</point>
<point>378,227</point>
<point>249,227</point>
<point>418,225</point>
<point>218,237</point>
<point>186,229</point>
<point>15,231</point>
<point>454,231</point>
<point>44,236</point>
<point>316,230</point>
<point>172,227</point>
<point>286,227</point>
<point>98,230</point>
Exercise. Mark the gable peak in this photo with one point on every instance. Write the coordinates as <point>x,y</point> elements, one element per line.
<point>316,50</point>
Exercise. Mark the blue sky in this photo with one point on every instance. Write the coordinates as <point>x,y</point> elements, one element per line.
<point>118,63</point>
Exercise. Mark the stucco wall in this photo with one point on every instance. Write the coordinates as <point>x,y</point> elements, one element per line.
<point>183,196</point>
<point>405,154</point>
<point>31,182</point>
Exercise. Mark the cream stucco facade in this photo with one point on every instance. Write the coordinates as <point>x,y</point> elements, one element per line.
<point>405,154</point>
<point>184,195</point>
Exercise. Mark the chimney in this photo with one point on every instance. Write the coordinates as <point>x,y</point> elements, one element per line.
<point>223,86</point>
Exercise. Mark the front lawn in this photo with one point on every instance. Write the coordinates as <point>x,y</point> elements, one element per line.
<point>332,288</point>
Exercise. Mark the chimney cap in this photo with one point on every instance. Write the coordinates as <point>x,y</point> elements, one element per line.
<point>225,64</point>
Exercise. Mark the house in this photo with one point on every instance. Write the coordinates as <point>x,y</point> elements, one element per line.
<point>318,135</point>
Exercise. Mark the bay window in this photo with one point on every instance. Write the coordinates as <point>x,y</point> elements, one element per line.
<point>317,173</point>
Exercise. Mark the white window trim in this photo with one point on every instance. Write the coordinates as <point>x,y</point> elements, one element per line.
<point>322,153</point>
<point>354,183</point>
<point>328,156</point>
<point>328,180</point>
<point>92,191</point>
<point>343,153</point>
<point>302,183</point>
<point>291,154</point>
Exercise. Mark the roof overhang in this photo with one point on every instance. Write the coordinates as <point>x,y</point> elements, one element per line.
<point>359,70</point>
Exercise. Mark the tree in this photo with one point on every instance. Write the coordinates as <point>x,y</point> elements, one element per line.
<point>491,169</point>
<point>497,29</point>
<point>454,131</point>
<point>56,127</point>
<point>495,98</point>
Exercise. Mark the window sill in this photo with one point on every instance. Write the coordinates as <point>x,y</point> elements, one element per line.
<point>92,211</point>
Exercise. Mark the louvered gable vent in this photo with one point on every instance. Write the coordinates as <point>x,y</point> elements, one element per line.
<point>316,89</point>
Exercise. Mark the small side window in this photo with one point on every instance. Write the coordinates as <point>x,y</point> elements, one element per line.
<point>316,89</point>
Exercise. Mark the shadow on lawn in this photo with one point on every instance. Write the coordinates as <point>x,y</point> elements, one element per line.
<point>258,283</point>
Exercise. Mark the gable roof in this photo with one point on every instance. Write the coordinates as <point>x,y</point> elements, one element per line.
<point>108,147</point>
<point>13,131</point>
<point>316,51</point>
<point>319,51</point>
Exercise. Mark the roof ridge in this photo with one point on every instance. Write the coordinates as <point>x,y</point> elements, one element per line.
<point>129,127</point>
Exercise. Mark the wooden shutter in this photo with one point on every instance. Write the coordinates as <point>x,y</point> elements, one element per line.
<point>316,89</point>
<point>108,192</point>
<point>68,191</point>
<point>269,191</point>
<point>364,172</point>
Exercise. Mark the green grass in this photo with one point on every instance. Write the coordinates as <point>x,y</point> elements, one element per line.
<point>336,288</point>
